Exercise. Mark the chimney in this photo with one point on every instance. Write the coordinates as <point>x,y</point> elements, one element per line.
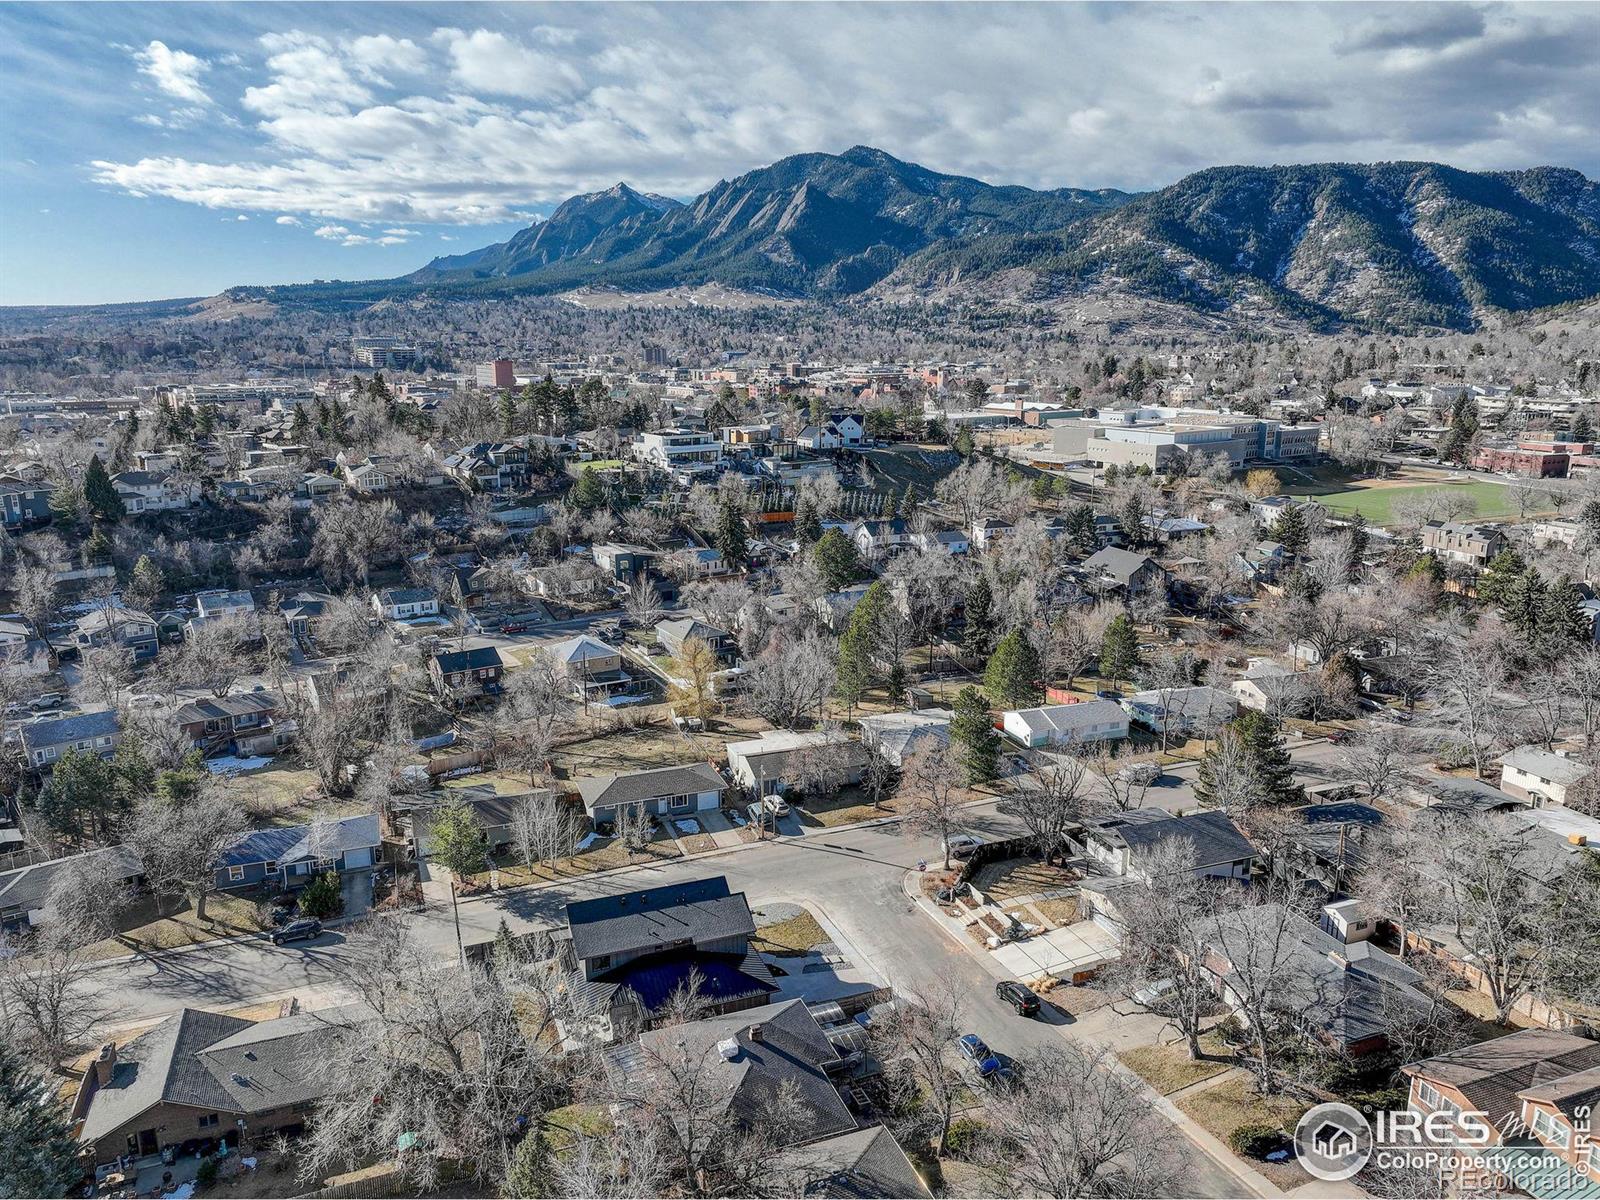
<point>105,1064</point>
<point>755,1033</point>
<point>1578,839</point>
<point>1338,959</point>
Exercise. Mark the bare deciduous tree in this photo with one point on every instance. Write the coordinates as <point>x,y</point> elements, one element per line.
<point>179,843</point>
<point>1054,798</point>
<point>913,1041</point>
<point>930,794</point>
<point>790,680</point>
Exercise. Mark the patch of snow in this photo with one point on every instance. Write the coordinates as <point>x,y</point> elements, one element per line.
<point>589,839</point>
<point>229,765</point>
<point>687,826</point>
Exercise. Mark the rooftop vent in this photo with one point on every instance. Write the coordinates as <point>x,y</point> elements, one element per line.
<point>239,1079</point>
<point>755,1033</point>
<point>728,1048</point>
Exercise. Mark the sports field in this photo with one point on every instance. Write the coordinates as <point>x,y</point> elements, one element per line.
<point>1375,502</point>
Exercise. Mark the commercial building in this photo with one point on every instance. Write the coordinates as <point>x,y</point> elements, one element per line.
<point>500,373</point>
<point>1153,437</point>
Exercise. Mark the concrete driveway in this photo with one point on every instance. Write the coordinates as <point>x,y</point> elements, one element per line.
<point>356,889</point>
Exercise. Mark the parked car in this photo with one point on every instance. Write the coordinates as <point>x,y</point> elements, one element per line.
<point>776,805</point>
<point>297,931</point>
<point>47,701</point>
<point>960,846</point>
<point>1018,996</point>
<point>144,700</point>
<point>977,1055</point>
<point>1155,993</point>
<point>1140,774</point>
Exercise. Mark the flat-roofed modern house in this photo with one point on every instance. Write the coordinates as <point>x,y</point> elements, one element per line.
<point>663,791</point>
<point>628,954</point>
<point>1067,724</point>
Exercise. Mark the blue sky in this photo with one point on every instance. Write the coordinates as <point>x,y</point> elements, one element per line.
<point>166,150</point>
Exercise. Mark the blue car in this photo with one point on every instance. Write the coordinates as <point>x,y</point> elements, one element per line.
<point>979,1057</point>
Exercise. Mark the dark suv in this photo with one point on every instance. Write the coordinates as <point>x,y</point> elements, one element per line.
<point>297,931</point>
<point>1019,997</point>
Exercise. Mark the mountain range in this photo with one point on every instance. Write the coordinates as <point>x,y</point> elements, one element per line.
<point>1387,246</point>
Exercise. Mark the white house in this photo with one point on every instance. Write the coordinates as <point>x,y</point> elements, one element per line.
<point>1539,776</point>
<point>944,541</point>
<point>404,604</point>
<point>1184,710</point>
<point>672,449</point>
<point>839,429</point>
<point>153,491</point>
<point>1067,724</point>
<point>897,735</point>
<point>1271,687</point>
<point>771,764</point>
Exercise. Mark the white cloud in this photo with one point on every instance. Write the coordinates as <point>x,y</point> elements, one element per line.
<point>176,72</point>
<point>241,217</point>
<point>287,220</point>
<point>402,233</point>
<point>469,126</point>
<point>330,231</point>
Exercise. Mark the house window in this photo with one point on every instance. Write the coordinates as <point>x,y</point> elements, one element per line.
<point>269,867</point>
<point>1434,1099</point>
<point>235,874</point>
<point>600,962</point>
<point>1551,1128</point>
<point>208,1121</point>
<point>680,802</point>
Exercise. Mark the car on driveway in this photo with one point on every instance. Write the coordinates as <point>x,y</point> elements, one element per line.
<point>775,806</point>
<point>1140,773</point>
<point>961,846</point>
<point>297,931</point>
<point>1155,993</point>
<point>1019,997</point>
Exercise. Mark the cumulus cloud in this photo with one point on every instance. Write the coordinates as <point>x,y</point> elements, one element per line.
<point>288,220</point>
<point>373,131</point>
<point>331,231</point>
<point>175,72</point>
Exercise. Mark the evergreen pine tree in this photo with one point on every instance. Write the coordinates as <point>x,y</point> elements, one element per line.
<point>807,525</point>
<point>977,638</point>
<point>1273,769</point>
<point>1119,650</point>
<point>1504,570</point>
<point>972,735</point>
<point>1080,532</point>
<point>1012,676</point>
<point>588,494</point>
<point>908,501</point>
<point>1522,603</point>
<point>857,669</point>
<point>1582,427</point>
<point>836,558</point>
<point>1427,566</point>
<point>508,413</point>
<point>1291,531</point>
<point>300,424</point>
<point>38,1156</point>
<point>1359,539</point>
<point>732,540</point>
<point>98,493</point>
<point>1562,622</point>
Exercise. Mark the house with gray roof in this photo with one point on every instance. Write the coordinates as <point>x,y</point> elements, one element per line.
<point>116,625</point>
<point>673,634</point>
<point>895,735</point>
<point>1540,776</point>
<point>663,791</point>
<point>1125,570</point>
<point>43,742</point>
<point>24,890</point>
<point>1122,841</point>
<point>628,954</point>
<point>201,1075</point>
<point>288,856</point>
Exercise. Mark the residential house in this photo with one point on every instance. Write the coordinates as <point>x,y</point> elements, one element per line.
<point>154,491</point>
<point>1344,994</point>
<point>371,476</point>
<point>677,449</point>
<point>316,485</point>
<point>950,542</point>
<point>595,669</point>
<point>115,625</point>
<point>304,612</point>
<point>674,633</point>
<point>838,431</point>
<point>405,604</point>
<point>989,531</point>
<point>21,653</point>
<point>244,724</point>
<point>629,953</point>
<point>1272,688</point>
<point>1525,1087</point>
<point>467,673</point>
<point>569,580</point>
<point>834,608</point>
<point>876,539</point>
<point>1453,541</point>
<point>204,1076</point>
<point>23,502</point>
<point>782,1050</point>
<point>290,856</point>
<point>43,742</point>
<point>493,810</point>
<point>238,606</point>
<point>663,792</point>
<point>1166,528</point>
<point>24,891</point>
<point>622,562</point>
<point>1067,724</point>
<point>1185,710</point>
<point>1539,776</point>
<point>896,735</point>
<point>1264,562</point>
<point>1123,841</point>
<point>773,763</point>
<point>1125,571</point>
<point>489,466</point>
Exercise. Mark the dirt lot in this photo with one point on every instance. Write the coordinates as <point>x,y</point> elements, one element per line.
<point>277,795</point>
<point>786,930</point>
<point>1234,1102</point>
<point>603,856</point>
<point>655,744</point>
<point>1169,1068</point>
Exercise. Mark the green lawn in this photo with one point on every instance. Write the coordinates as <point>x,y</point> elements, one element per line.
<point>1375,504</point>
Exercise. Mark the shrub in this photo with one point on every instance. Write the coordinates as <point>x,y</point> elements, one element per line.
<point>322,896</point>
<point>206,1173</point>
<point>965,1135</point>
<point>1255,1139</point>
